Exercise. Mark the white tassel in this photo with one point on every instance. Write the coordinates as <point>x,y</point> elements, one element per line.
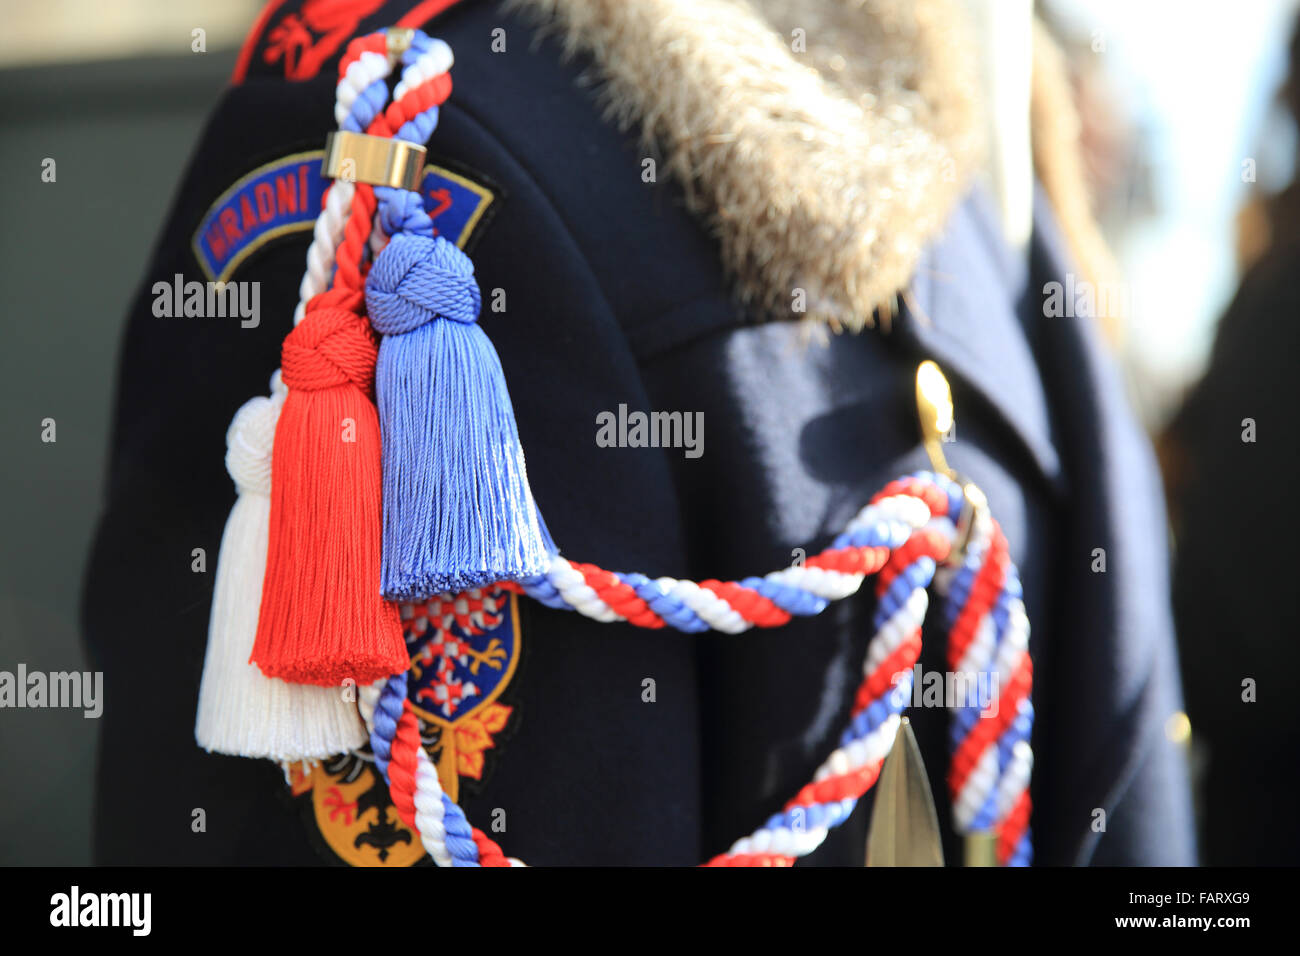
<point>241,711</point>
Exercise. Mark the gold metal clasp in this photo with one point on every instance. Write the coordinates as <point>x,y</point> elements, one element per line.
<point>934,405</point>
<point>935,409</point>
<point>399,41</point>
<point>375,160</point>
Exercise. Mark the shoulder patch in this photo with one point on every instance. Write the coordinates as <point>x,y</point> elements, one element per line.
<point>464,649</point>
<point>285,196</point>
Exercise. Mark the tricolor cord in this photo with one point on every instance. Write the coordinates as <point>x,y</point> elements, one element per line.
<point>988,634</point>
<point>905,533</point>
<point>364,70</point>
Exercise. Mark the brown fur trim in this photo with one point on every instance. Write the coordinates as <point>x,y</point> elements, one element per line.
<point>826,170</point>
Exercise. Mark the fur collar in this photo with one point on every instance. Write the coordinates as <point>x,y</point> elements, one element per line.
<point>823,142</point>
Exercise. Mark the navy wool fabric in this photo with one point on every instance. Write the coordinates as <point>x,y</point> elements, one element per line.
<point>615,296</point>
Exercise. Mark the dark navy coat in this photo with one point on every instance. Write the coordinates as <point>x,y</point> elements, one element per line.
<point>616,296</point>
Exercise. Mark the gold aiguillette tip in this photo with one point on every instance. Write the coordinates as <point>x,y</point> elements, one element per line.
<point>904,827</point>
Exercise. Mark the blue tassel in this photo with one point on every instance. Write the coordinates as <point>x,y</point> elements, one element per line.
<point>458,512</point>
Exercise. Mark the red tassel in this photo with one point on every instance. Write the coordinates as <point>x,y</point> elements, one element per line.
<point>322,618</point>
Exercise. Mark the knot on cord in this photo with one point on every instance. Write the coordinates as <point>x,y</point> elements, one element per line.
<point>402,211</point>
<point>417,279</point>
<point>329,347</point>
<point>248,444</point>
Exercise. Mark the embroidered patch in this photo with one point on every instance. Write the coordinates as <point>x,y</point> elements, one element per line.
<point>464,652</point>
<point>285,196</point>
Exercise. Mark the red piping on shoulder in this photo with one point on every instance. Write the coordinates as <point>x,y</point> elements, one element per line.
<point>250,42</point>
<point>417,16</point>
<point>423,12</point>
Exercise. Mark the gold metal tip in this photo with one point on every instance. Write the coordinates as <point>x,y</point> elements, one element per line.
<point>399,41</point>
<point>1178,728</point>
<point>974,504</point>
<point>904,827</point>
<point>934,406</point>
<point>982,848</point>
<point>375,160</point>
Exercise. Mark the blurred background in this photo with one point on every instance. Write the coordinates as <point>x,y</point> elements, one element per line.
<point>1190,148</point>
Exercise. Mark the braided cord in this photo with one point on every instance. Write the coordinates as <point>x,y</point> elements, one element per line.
<point>906,533</point>
<point>886,688</point>
<point>988,643</point>
<point>803,589</point>
<point>424,86</point>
